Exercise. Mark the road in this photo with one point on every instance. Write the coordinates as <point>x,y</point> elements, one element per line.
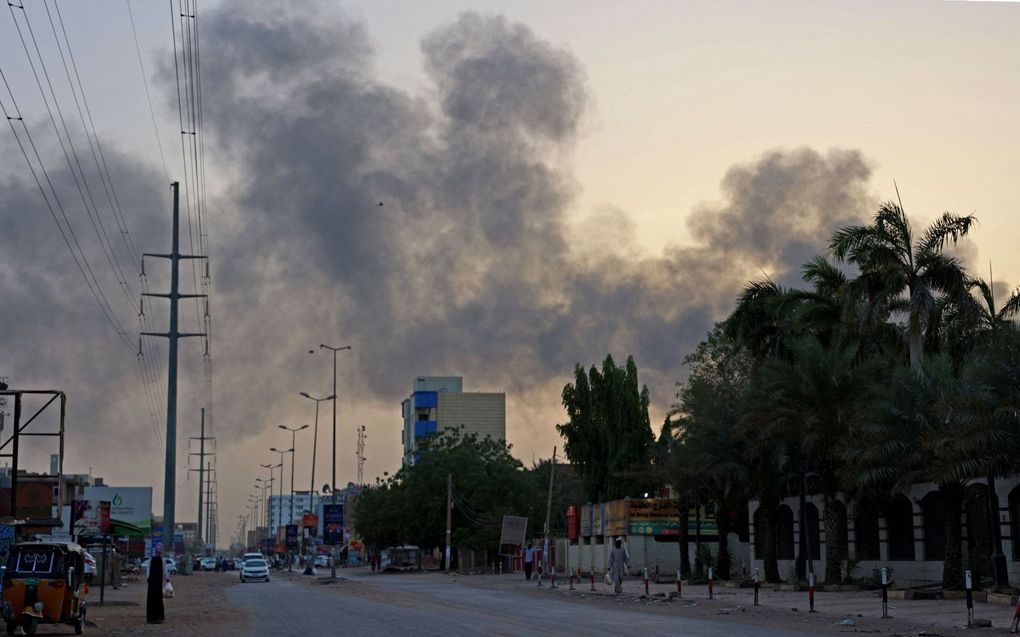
<point>432,605</point>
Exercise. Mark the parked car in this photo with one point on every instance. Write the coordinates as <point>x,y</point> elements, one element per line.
<point>255,569</point>
<point>252,556</point>
<point>208,563</point>
<point>322,561</point>
<point>90,567</point>
<point>171,565</point>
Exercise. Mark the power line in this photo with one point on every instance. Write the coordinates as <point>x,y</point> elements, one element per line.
<point>148,96</point>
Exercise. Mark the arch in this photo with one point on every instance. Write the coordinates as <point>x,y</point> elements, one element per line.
<point>933,518</point>
<point>899,527</point>
<point>784,530</point>
<point>1014,521</point>
<point>979,535</point>
<point>839,544</point>
<point>866,536</point>
<point>761,534</point>
<point>813,534</point>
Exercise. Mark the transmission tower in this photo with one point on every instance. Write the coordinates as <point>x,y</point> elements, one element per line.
<point>361,454</point>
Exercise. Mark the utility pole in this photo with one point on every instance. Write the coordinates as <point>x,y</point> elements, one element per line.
<point>449,517</point>
<point>204,484</point>
<point>548,512</point>
<point>332,482</point>
<point>170,468</point>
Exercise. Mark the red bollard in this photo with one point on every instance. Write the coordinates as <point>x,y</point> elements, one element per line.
<point>710,582</point>
<point>811,592</point>
<point>646,582</point>
<point>679,585</point>
<point>592,574</point>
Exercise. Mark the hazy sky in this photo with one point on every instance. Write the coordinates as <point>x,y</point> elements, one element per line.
<point>560,180</point>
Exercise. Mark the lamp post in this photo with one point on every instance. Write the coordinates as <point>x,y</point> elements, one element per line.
<point>293,461</point>
<point>279,508</point>
<point>311,487</point>
<point>332,482</point>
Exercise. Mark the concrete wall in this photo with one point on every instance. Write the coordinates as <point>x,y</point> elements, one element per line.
<point>644,551</point>
<point>905,572</point>
<point>480,413</point>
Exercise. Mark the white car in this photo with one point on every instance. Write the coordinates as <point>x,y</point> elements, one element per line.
<point>252,556</point>
<point>208,563</point>
<point>322,561</point>
<point>90,567</point>
<point>171,565</point>
<point>255,569</point>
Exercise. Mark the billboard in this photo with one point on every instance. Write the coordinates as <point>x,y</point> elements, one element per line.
<point>333,524</point>
<point>573,523</point>
<point>292,537</point>
<point>586,520</point>
<point>513,531</point>
<point>130,509</point>
<point>654,516</point>
<point>616,517</point>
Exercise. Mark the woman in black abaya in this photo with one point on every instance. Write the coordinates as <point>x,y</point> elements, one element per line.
<point>156,580</point>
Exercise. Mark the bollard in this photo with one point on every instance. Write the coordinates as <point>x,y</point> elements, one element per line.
<point>540,578</point>
<point>501,568</point>
<point>710,582</point>
<point>591,574</point>
<point>646,582</point>
<point>552,578</point>
<point>679,585</point>
<point>811,592</point>
<point>572,579</point>
<point>885,592</point>
<point>756,585</point>
<point>1016,618</point>
<point>969,584</point>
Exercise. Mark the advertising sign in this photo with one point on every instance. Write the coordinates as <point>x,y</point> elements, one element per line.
<point>654,516</point>
<point>513,531</point>
<point>333,524</point>
<point>616,517</point>
<point>310,521</point>
<point>586,520</point>
<point>292,537</point>
<point>598,513</point>
<point>91,518</point>
<point>573,526</point>
<point>130,508</point>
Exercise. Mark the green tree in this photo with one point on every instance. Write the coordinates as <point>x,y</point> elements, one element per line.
<point>608,433</point>
<point>899,273</point>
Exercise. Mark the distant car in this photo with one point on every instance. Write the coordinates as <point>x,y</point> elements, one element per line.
<point>208,563</point>
<point>90,567</point>
<point>322,561</point>
<point>252,556</point>
<point>255,569</point>
<point>171,566</point>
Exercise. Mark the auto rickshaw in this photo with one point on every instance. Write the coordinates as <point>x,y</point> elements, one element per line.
<point>44,583</point>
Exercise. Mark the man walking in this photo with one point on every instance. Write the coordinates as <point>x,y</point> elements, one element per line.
<point>619,562</point>
<point>528,556</point>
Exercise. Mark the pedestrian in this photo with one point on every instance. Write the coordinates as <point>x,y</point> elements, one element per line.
<point>528,556</point>
<point>156,580</point>
<point>619,562</point>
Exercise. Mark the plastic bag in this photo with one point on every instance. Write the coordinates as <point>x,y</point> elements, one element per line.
<point>168,590</point>
<point>608,579</point>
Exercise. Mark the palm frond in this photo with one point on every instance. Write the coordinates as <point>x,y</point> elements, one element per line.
<point>948,227</point>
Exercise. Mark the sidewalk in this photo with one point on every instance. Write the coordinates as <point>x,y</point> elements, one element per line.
<point>862,608</point>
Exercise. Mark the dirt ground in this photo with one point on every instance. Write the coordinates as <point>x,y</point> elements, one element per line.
<point>199,607</point>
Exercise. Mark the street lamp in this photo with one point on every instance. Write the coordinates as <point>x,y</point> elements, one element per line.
<point>332,482</point>
<point>279,516</point>
<point>293,461</point>
<point>311,487</point>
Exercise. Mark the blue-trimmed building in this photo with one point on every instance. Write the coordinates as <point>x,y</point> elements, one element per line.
<point>438,403</point>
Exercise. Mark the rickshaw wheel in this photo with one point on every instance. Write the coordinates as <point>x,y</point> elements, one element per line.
<point>31,623</point>
<point>11,626</point>
<point>79,626</point>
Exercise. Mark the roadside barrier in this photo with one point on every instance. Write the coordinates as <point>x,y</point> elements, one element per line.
<point>552,577</point>
<point>969,584</point>
<point>811,592</point>
<point>710,583</point>
<point>591,574</point>
<point>885,592</point>
<point>646,581</point>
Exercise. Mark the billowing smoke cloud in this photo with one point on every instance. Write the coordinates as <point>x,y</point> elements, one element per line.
<point>470,265</point>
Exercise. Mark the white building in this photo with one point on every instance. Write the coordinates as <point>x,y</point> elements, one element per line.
<point>280,509</point>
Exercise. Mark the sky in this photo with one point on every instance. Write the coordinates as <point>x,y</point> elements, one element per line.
<point>559,181</point>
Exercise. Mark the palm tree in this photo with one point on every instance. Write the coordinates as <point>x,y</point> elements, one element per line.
<point>816,402</point>
<point>899,273</point>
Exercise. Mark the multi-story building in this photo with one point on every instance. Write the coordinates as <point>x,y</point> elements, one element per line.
<point>439,403</point>
<point>279,507</point>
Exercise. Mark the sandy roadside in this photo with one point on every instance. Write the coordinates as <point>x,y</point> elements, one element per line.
<point>199,607</point>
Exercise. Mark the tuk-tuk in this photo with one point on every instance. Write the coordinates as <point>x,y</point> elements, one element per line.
<point>44,583</point>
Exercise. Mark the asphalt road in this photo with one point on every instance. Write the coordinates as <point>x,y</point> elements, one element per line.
<point>431,606</point>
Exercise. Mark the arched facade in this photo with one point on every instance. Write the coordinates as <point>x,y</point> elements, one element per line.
<point>933,521</point>
<point>784,531</point>
<point>899,528</point>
